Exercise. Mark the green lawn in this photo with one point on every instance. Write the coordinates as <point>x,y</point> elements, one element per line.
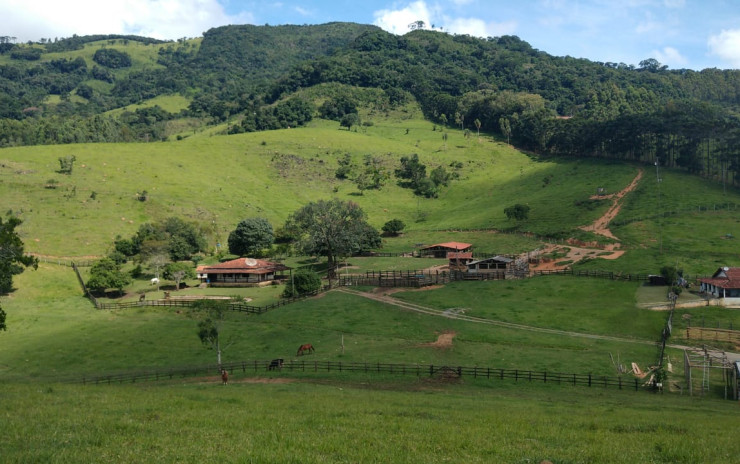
<point>405,422</point>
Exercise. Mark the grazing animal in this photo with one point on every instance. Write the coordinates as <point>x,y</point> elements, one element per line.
<point>276,364</point>
<point>154,281</point>
<point>304,348</point>
<point>142,297</point>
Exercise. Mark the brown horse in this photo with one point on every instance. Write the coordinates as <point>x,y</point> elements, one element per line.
<point>305,348</point>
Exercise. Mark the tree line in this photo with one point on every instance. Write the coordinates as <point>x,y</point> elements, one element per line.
<point>550,105</point>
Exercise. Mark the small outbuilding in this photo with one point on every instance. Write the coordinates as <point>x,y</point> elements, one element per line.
<point>440,250</point>
<point>724,283</point>
<point>490,265</point>
<point>241,272</point>
<point>459,260</point>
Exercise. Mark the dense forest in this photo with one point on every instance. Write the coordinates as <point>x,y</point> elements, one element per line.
<point>250,77</point>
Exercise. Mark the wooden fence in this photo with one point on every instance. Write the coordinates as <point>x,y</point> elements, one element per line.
<point>336,367</point>
<point>625,276</point>
<point>717,335</point>
<point>61,261</point>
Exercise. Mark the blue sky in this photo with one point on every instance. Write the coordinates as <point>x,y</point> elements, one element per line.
<point>694,34</point>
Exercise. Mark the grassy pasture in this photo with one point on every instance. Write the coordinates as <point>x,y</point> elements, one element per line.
<point>54,331</point>
<point>271,175</point>
<point>405,422</point>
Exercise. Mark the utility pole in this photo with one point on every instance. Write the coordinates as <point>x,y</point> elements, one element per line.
<point>660,230</point>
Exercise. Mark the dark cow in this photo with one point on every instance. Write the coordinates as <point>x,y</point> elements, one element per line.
<point>276,364</point>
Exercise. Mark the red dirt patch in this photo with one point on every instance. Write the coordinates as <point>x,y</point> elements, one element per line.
<point>444,340</point>
<point>600,226</point>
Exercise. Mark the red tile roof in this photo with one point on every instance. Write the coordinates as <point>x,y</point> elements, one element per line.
<point>451,245</point>
<point>725,277</point>
<point>244,266</point>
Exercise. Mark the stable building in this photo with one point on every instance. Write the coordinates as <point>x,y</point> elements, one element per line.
<point>725,284</point>
<point>440,250</point>
<point>242,272</point>
<point>490,265</point>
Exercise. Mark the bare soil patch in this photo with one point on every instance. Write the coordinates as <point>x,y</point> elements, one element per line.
<point>444,340</point>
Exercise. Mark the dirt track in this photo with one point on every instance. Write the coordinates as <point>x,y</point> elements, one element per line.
<point>601,225</point>
<point>576,251</point>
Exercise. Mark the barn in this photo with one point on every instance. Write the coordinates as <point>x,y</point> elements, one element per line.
<point>242,272</point>
<point>440,250</point>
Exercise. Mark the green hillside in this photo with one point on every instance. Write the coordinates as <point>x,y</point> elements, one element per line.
<point>172,140</point>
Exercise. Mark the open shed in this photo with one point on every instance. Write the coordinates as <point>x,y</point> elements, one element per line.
<point>440,250</point>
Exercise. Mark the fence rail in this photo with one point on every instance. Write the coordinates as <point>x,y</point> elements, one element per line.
<point>185,303</point>
<point>418,370</point>
<point>595,273</point>
<point>717,335</point>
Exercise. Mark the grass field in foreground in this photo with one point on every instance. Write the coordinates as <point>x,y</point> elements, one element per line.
<point>400,422</point>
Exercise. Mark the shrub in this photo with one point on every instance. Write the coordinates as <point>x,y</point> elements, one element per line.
<point>302,282</point>
<point>393,227</point>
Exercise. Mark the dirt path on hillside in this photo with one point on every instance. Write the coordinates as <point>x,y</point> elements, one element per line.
<point>576,250</point>
<point>601,225</point>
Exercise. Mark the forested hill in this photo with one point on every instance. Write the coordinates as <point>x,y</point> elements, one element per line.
<point>59,91</point>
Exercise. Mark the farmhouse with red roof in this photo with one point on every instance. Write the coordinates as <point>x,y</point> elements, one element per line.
<point>725,283</point>
<point>241,272</point>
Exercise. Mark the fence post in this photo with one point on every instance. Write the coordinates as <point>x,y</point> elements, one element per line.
<point>589,380</point>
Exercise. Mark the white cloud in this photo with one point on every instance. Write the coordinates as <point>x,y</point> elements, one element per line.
<point>397,21</point>
<point>479,28</point>
<point>671,57</point>
<point>726,45</point>
<point>163,19</point>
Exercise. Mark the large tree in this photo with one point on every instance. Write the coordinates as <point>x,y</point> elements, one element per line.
<point>251,236</point>
<point>12,259</point>
<point>332,228</point>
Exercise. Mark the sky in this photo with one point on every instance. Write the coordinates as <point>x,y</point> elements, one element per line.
<point>691,34</point>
